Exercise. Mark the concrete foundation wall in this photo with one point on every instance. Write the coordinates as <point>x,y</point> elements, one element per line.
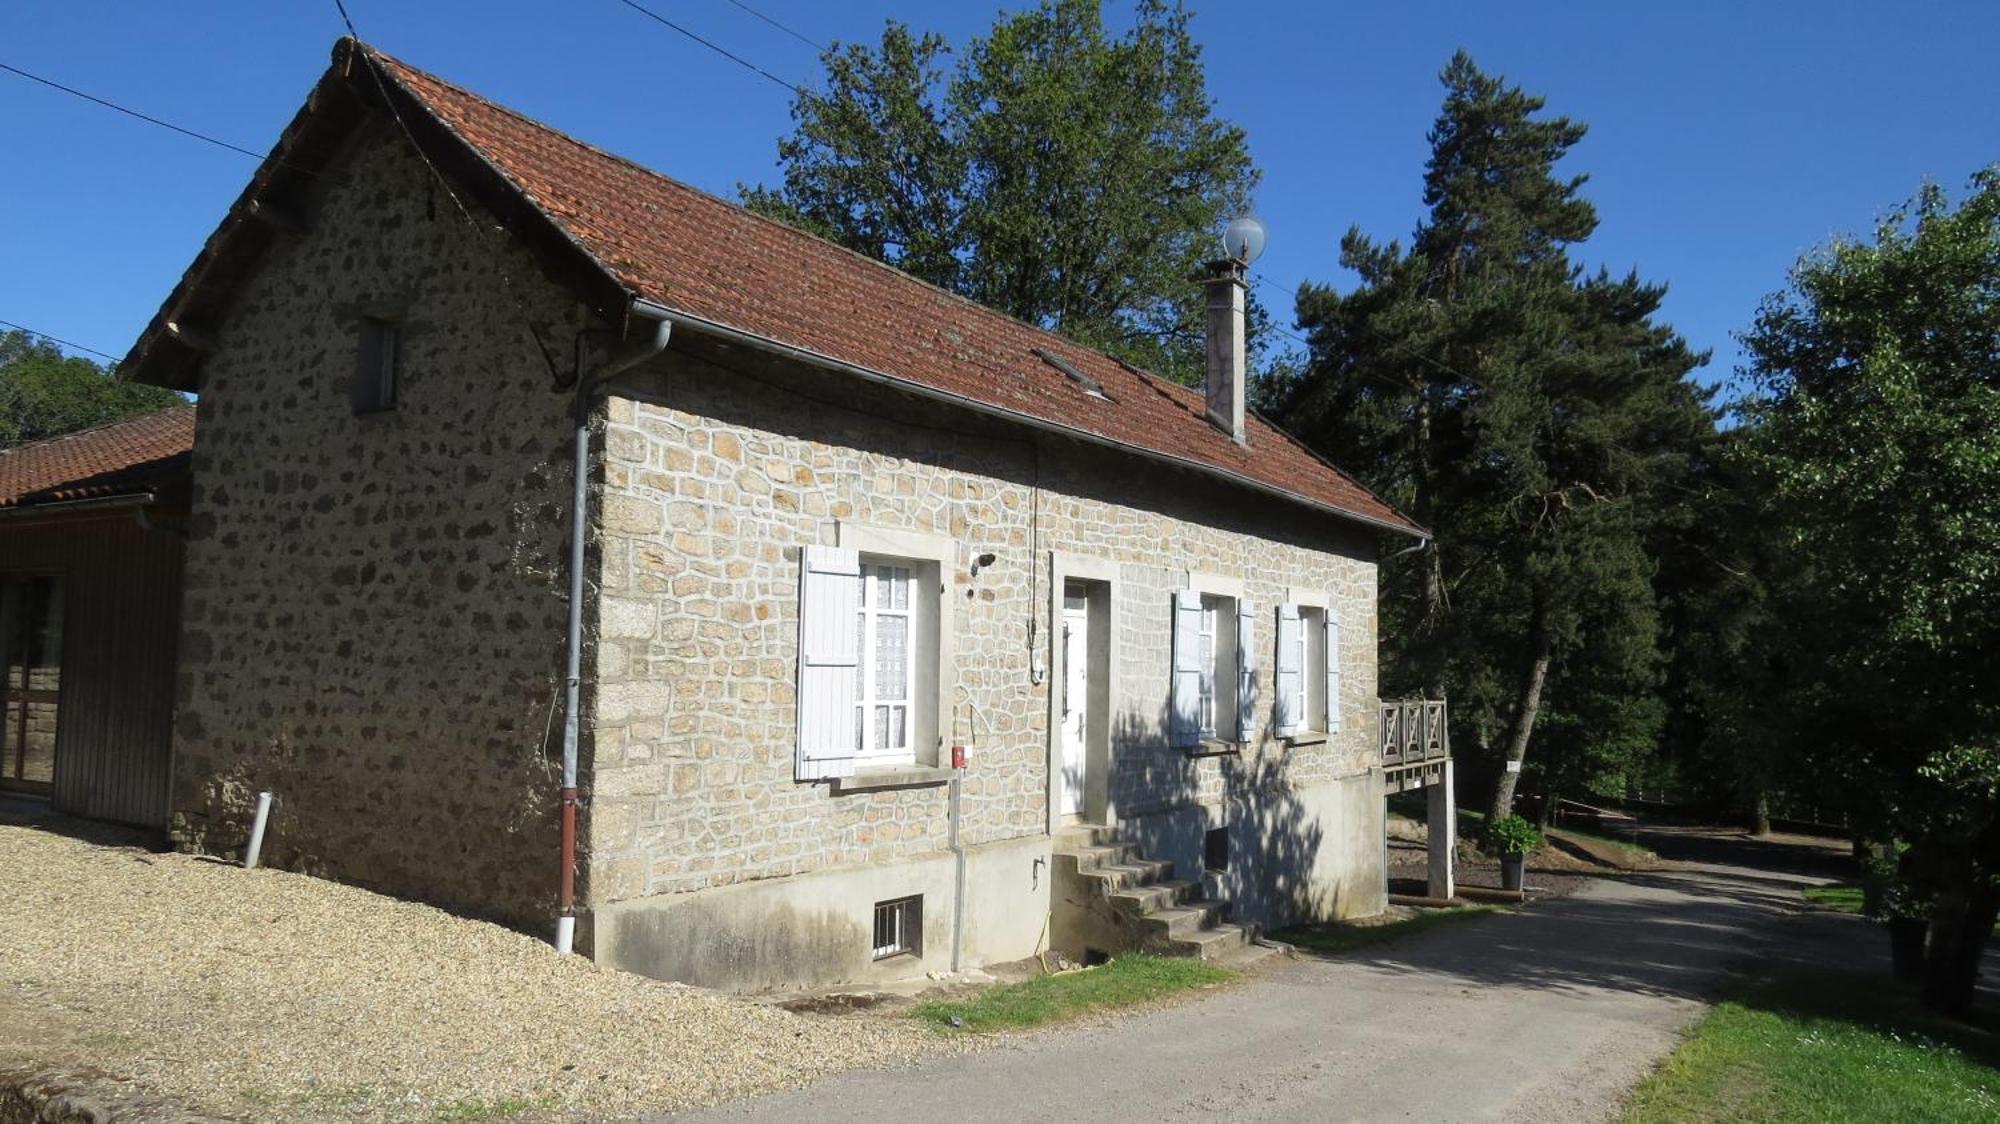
<point>817,929</point>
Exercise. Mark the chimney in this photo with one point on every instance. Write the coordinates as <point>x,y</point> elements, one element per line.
<point>1225,287</point>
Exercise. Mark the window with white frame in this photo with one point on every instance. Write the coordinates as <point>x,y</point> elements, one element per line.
<point>1308,673</point>
<point>869,662</point>
<point>885,687</point>
<point>1218,667</point>
<point>1214,681</point>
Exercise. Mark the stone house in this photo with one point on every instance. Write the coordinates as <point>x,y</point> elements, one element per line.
<point>909,636</point>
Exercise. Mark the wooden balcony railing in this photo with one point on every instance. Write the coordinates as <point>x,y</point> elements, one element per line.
<point>1413,732</point>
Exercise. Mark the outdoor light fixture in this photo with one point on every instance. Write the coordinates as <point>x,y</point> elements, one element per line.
<point>1243,239</point>
<point>983,561</point>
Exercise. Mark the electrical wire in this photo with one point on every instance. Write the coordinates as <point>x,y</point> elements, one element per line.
<point>129,112</point>
<point>718,49</point>
<point>54,339</point>
<point>821,47</point>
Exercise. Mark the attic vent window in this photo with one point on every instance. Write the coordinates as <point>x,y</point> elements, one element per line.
<point>1090,385</point>
<point>375,366</point>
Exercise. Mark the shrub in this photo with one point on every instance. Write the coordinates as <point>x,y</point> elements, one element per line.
<point>1512,835</point>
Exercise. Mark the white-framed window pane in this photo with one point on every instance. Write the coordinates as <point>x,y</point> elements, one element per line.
<point>892,657</point>
<point>886,684</point>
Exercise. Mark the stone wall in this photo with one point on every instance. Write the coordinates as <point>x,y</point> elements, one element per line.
<point>374,605</point>
<point>720,467</point>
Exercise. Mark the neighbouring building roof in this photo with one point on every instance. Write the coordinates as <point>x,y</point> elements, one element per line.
<point>621,233</point>
<point>118,458</point>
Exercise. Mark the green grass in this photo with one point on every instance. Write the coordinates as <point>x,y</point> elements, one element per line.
<point>1841,897</point>
<point>1333,937</point>
<point>506,1108</point>
<point>1130,979</point>
<point>1822,1047</point>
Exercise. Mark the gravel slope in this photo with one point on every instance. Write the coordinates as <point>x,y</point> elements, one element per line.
<point>274,996</point>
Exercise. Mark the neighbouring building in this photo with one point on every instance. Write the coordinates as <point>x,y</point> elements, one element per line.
<point>91,525</point>
<point>845,531</point>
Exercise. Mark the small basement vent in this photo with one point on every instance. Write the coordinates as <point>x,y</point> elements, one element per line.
<point>899,927</point>
<point>1090,385</point>
<point>1215,848</point>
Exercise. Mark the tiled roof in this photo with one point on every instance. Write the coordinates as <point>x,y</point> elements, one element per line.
<point>712,260</point>
<point>116,458</point>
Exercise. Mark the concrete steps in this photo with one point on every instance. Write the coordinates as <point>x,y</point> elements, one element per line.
<point>1111,898</point>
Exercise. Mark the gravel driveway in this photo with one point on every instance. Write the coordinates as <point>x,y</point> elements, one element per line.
<point>274,996</point>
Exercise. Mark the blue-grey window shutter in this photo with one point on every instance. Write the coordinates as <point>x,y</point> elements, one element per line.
<point>1184,708</point>
<point>1290,676</point>
<point>829,661</point>
<point>1332,670</point>
<point>1246,671</point>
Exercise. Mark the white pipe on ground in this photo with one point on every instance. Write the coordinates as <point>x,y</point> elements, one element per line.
<point>257,831</point>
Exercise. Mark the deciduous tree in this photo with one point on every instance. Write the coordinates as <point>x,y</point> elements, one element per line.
<point>1072,178</point>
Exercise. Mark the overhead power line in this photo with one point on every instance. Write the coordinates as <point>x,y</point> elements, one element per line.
<point>781,27</point>
<point>129,112</point>
<point>739,60</point>
<point>53,339</point>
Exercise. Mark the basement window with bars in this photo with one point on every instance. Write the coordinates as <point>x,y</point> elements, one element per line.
<point>899,927</point>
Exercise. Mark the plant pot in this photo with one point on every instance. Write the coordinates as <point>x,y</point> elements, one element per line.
<point>1906,946</point>
<point>1512,870</point>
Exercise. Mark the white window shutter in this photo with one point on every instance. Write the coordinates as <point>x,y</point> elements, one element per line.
<point>1184,709</point>
<point>829,661</point>
<point>1291,673</point>
<point>1246,671</point>
<point>1332,671</point>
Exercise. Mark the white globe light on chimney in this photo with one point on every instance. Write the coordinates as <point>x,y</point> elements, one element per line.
<point>1243,239</point>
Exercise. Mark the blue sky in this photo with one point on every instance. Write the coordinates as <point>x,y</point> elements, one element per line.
<point>1726,138</point>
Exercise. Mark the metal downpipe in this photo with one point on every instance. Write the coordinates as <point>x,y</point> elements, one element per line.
<point>579,529</point>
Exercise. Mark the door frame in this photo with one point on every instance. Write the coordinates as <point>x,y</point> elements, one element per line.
<point>1102,575</point>
<point>10,747</point>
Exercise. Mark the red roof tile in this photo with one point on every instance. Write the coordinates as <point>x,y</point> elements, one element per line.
<point>133,455</point>
<point>705,257</point>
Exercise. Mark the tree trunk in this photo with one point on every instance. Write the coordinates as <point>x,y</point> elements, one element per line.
<point>1524,722</point>
<point>1958,938</point>
<point>1431,560</point>
<point>1760,813</point>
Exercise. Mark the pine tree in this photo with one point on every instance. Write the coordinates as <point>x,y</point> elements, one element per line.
<point>1526,412</point>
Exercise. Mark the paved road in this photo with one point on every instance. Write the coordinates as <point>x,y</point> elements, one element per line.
<point>1546,1015</point>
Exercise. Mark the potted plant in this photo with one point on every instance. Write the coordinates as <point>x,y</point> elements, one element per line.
<point>1888,896</point>
<point>1513,837</point>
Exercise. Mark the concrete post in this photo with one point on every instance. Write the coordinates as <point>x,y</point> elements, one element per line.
<point>1441,822</point>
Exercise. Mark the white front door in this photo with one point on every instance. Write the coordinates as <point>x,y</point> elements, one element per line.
<point>1075,698</point>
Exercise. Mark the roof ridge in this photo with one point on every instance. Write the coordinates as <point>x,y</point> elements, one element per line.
<point>758,216</point>
<point>43,442</point>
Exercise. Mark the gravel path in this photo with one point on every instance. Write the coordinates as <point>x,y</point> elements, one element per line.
<point>274,996</point>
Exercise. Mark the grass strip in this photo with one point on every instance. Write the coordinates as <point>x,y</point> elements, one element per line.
<point>1333,937</point>
<point>1841,897</point>
<point>1822,1046</point>
<point>1130,979</point>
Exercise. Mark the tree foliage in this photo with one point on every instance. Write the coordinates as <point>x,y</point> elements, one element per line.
<point>44,393</point>
<point>1535,416</point>
<point>1876,422</point>
<point>1066,176</point>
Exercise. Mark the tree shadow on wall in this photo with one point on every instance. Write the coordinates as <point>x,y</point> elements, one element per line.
<point>1169,799</point>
